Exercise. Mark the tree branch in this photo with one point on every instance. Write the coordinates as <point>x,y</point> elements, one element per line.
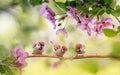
<point>117,19</point>
<point>71,58</point>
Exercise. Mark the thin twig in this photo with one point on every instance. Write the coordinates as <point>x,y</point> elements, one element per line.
<point>117,19</point>
<point>71,58</point>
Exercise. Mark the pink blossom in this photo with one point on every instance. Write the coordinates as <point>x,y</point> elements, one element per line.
<point>86,24</point>
<point>43,9</point>
<point>90,31</point>
<point>98,29</point>
<point>48,13</point>
<point>107,23</point>
<point>82,24</point>
<point>63,31</point>
<point>90,21</point>
<point>72,12</point>
<point>20,57</point>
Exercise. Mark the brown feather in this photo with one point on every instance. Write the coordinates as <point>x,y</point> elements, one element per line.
<point>78,46</point>
<point>64,48</point>
<point>56,47</point>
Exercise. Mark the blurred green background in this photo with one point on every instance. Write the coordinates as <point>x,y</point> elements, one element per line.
<point>21,26</point>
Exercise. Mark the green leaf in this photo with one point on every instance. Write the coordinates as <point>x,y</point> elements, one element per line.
<point>88,1</point>
<point>71,3</point>
<point>8,60</point>
<point>108,2</point>
<point>35,2</point>
<point>6,70</point>
<point>108,11</point>
<point>96,11</point>
<point>46,1</point>
<point>109,32</point>
<point>80,8</point>
<point>84,9</point>
<point>113,4</point>
<point>116,13</point>
<point>63,1</point>
<point>15,70</point>
<point>101,12</point>
<point>3,52</point>
<point>118,28</point>
<point>118,7</point>
<point>61,6</point>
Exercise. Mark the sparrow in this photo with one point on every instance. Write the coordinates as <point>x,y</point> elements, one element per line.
<point>80,49</point>
<point>59,50</point>
<point>38,48</point>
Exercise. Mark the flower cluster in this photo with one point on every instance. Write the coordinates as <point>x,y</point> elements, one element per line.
<point>84,22</point>
<point>48,13</point>
<point>20,57</point>
<point>89,24</point>
<point>105,23</point>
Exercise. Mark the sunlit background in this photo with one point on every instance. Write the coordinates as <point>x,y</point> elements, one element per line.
<point>21,26</point>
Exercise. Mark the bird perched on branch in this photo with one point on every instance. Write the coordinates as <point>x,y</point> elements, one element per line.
<point>38,48</point>
<point>80,49</point>
<point>59,50</point>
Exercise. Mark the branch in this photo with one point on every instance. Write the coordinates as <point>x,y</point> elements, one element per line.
<point>117,19</point>
<point>71,58</point>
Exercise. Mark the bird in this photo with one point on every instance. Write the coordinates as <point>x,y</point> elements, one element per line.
<point>38,48</point>
<point>59,50</point>
<point>80,49</point>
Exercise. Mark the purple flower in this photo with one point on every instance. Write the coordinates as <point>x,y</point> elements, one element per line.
<point>90,31</point>
<point>107,23</point>
<point>20,57</point>
<point>90,21</point>
<point>43,9</point>
<point>63,31</point>
<point>48,13</point>
<point>87,24</point>
<point>72,12</point>
<point>98,29</point>
<point>82,24</point>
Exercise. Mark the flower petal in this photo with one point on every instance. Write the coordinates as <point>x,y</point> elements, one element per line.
<point>72,12</point>
<point>19,51</point>
<point>43,9</point>
<point>50,12</point>
<point>98,34</point>
<point>21,65</point>
<point>59,31</point>
<point>23,57</point>
<point>90,31</point>
<point>81,26</point>
<point>107,20</point>
<point>63,31</point>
